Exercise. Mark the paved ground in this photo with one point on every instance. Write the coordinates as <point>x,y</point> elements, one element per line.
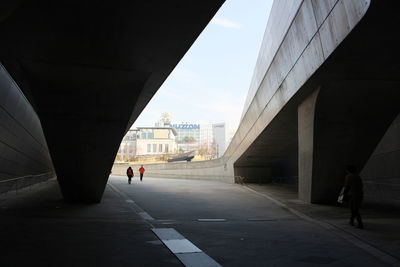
<point>257,232</point>
<point>381,222</point>
<point>38,228</point>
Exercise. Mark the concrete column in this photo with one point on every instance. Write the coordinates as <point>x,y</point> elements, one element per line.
<point>306,119</point>
<point>340,124</point>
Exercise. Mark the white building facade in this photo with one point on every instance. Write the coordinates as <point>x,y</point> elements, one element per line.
<point>148,141</point>
<point>155,141</point>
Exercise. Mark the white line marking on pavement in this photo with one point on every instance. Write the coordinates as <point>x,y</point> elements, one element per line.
<point>184,250</point>
<point>167,233</point>
<point>260,220</point>
<point>181,246</point>
<point>130,201</point>
<point>198,259</point>
<point>146,216</point>
<point>211,220</point>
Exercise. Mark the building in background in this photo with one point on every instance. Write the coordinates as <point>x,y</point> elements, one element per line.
<point>127,149</point>
<point>206,144</point>
<point>208,140</point>
<point>165,120</point>
<point>147,141</point>
<point>219,137</point>
<point>188,136</point>
<point>155,141</point>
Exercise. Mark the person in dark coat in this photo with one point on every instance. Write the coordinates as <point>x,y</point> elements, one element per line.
<point>354,190</point>
<point>129,173</point>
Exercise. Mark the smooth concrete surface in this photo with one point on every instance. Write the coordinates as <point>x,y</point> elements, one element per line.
<point>306,118</point>
<point>23,148</point>
<point>256,231</point>
<point>39,229</point>
<point>348,133</point>
<point>89,69</point>
<point>345,49</point>
<point>381,174</point>
<point>205,170</point>
<point>381,222</point>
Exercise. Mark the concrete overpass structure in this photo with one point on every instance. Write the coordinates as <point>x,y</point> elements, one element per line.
<point>325,90</point>
<point>83,71</point>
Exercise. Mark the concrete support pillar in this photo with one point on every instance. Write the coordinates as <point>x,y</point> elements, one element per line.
<point>306,118</point>
<point>340,124</point>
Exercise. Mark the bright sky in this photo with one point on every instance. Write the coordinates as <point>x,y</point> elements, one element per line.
<point>210,83</point>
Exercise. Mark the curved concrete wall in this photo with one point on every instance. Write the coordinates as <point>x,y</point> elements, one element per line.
<point>205,170</point>
<point>22,144</point>
<point>299,37</point>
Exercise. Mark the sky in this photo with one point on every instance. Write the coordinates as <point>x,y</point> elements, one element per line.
<point>210,83</point>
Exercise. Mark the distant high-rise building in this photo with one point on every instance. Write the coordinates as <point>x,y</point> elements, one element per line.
<point>219,136</point>
<point>188,136</point>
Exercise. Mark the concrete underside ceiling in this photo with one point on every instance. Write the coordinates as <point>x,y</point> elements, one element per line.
<point>359,97</point>
<point>89,68</point>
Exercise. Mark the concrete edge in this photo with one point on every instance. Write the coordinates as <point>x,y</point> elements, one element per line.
<point>355,240</point>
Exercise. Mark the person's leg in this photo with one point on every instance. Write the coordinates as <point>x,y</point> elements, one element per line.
<point>359,221</point>
<point>141,176</point>
<point>358,215</point>
<point>352,213</point>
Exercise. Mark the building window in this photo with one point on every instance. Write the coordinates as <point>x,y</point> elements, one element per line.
<point>148,148</point>
<point>160,148</point>
<point>150,135</point>
<point>154,147</point>
<point>166,148</point>
<point>143,135</point>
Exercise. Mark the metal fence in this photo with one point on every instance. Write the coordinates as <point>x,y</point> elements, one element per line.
<point>18,183</point>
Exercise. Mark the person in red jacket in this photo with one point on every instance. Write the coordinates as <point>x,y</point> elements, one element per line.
<point>141,170</point>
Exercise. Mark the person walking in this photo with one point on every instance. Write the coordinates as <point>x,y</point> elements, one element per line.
<point>141,171</point>
<point>129,173</point>
<point>354,190</point>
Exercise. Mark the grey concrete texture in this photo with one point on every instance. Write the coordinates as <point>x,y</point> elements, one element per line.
<point>381,174</point>
<point>257,232</point>
<point>291,52</point>
<point>381,222</point>
<point>23,148</point>
<point>348,51</point>
<point>204,170</point>
<point>90,69</point>
<point>306,115</point>
<point>39,229</point>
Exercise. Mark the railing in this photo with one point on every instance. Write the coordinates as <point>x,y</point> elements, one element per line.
<point>19,183</point>
<point>239,179</point>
